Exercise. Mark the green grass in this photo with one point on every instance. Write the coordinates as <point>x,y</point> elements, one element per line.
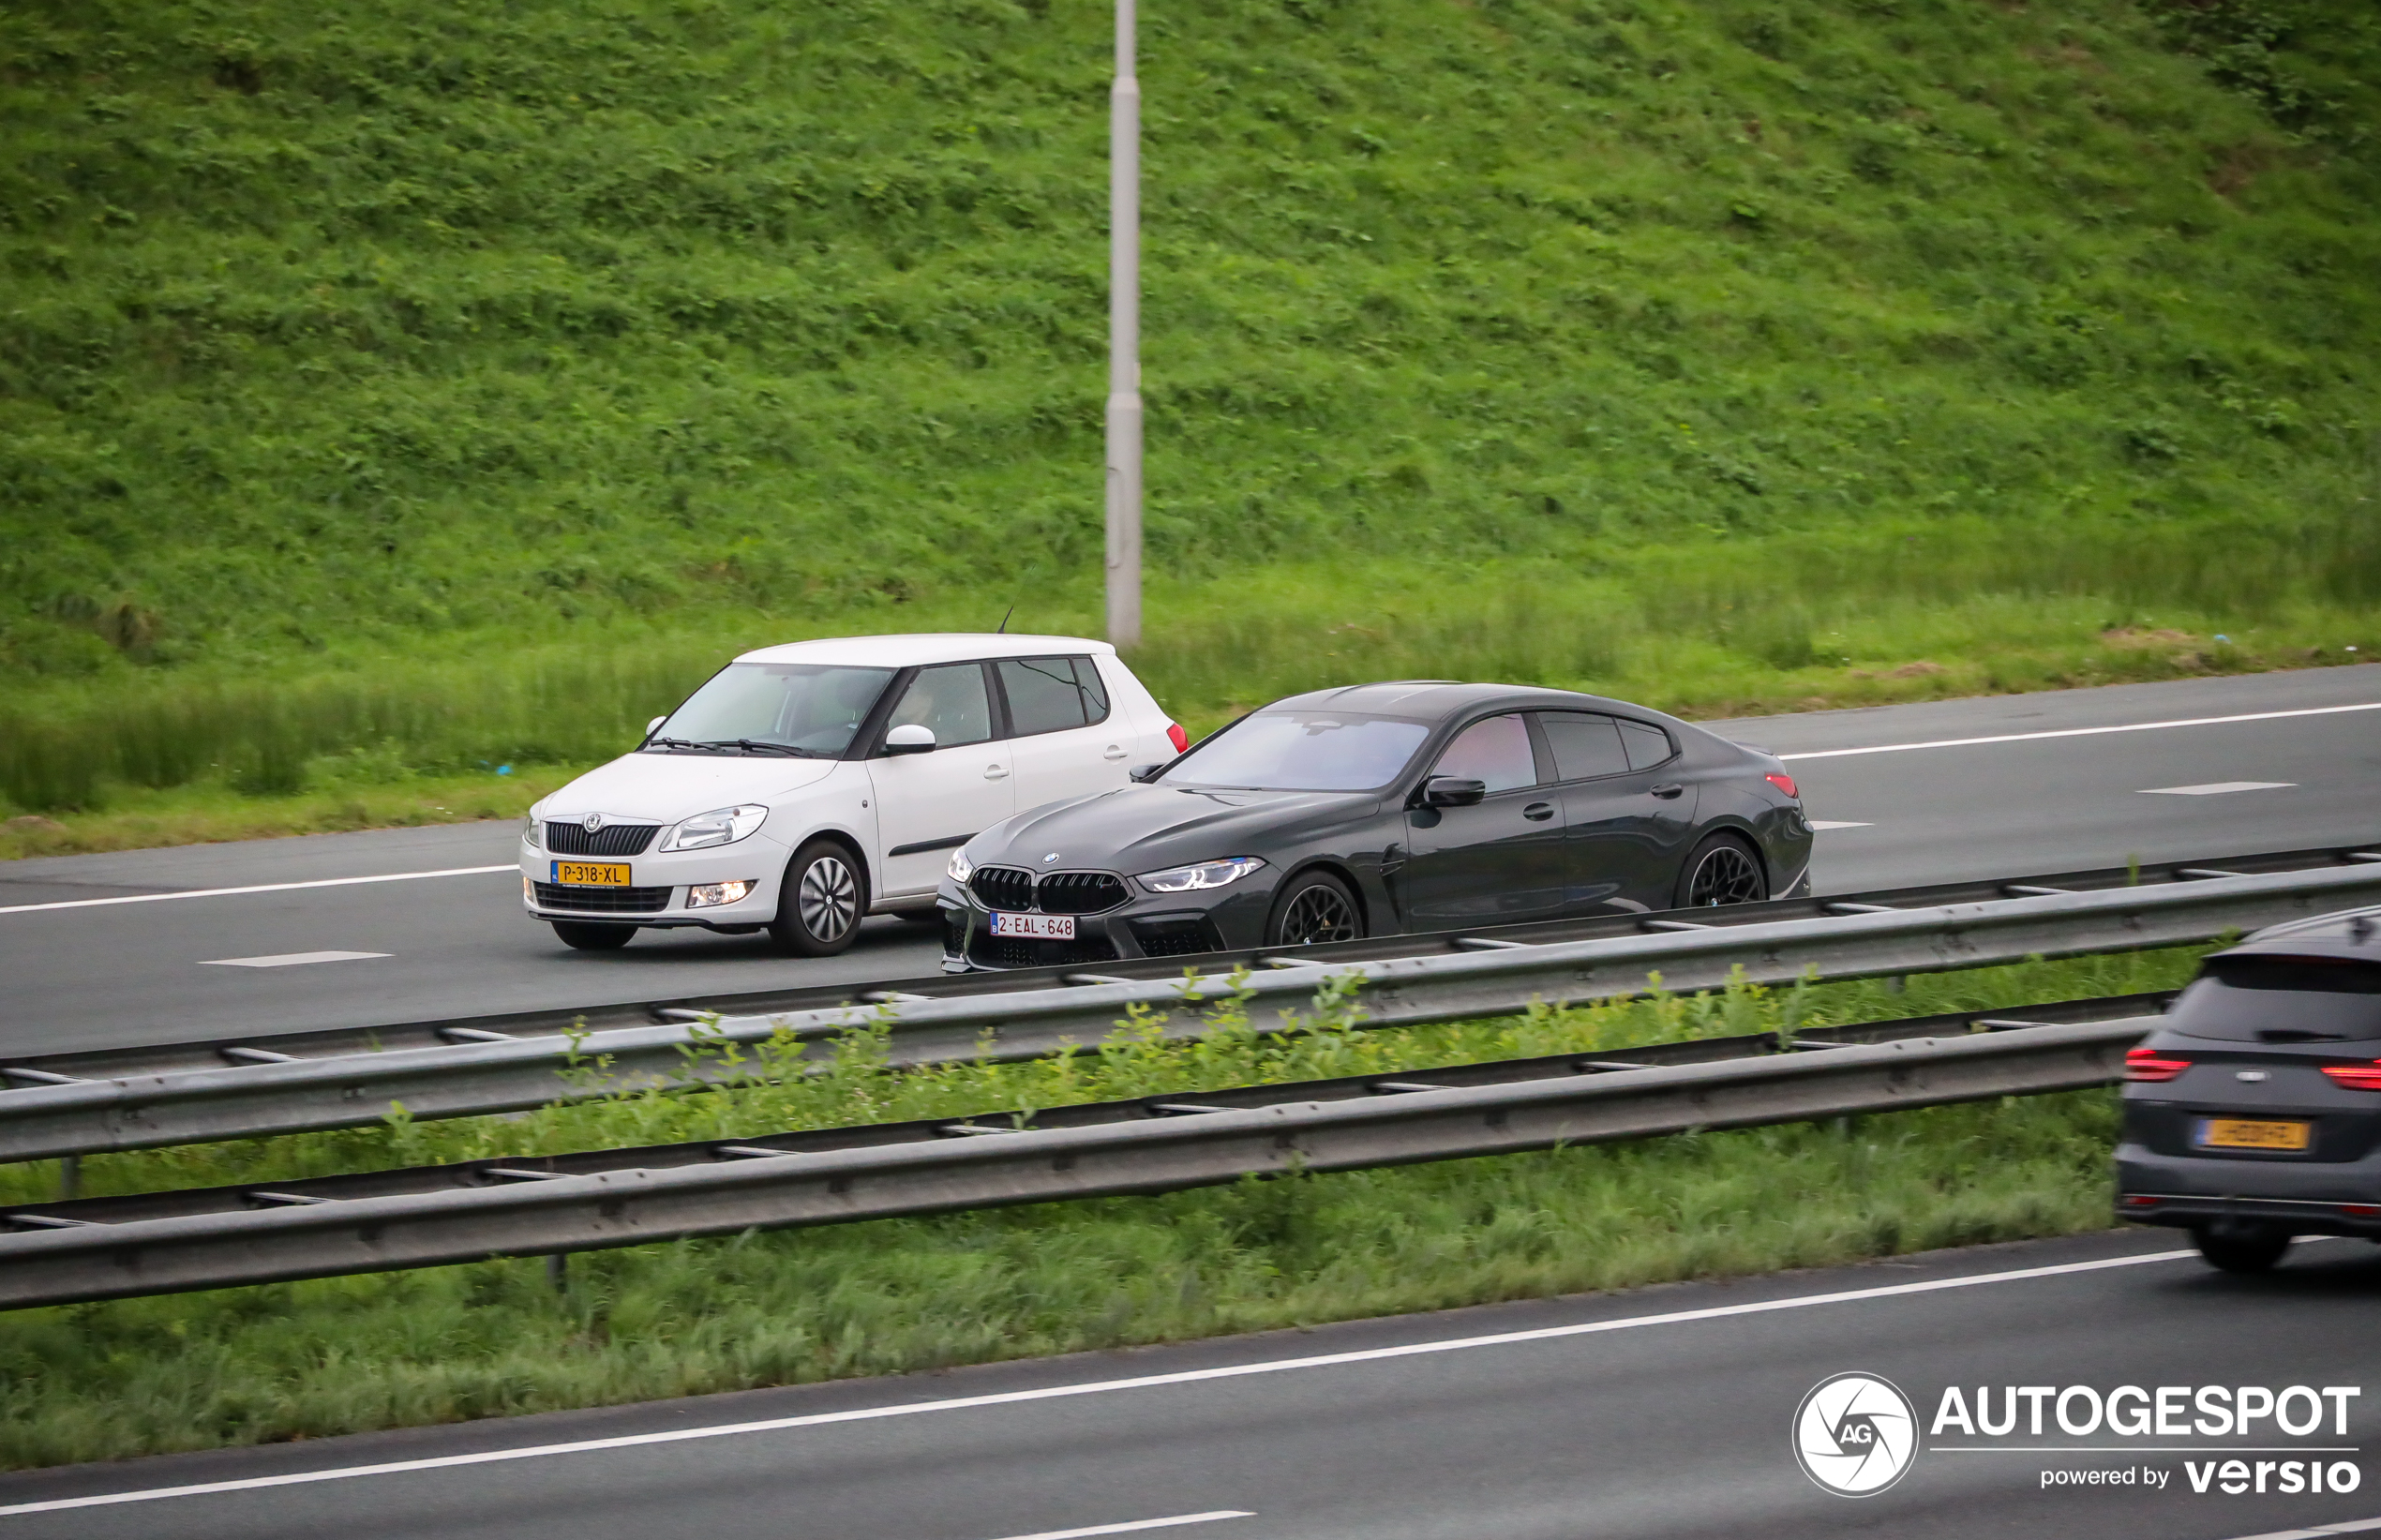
<point>339,1355</point>
<point>435,386</point>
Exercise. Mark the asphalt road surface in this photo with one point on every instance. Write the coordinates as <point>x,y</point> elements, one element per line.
<point>1912,802</point>
<point>1671,1411</point>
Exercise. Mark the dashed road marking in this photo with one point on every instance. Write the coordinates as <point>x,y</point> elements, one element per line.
<point>288,959</point>
<point>2217,788</point>
<point>1137,1524</point>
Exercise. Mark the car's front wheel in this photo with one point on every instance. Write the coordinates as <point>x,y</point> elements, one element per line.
<point>585,935</point>
<point>2242,1248</point>
<point>1314,907</point>
<point>819,907</point>
<point>1722,870</point>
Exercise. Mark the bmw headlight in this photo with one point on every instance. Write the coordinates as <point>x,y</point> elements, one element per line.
<point>1190,879</point>
<point>720,826</point>
<point>959,868</point>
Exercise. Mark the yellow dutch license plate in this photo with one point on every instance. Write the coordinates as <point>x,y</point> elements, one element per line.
<point>2242,1134</point>
<point>591,873</point>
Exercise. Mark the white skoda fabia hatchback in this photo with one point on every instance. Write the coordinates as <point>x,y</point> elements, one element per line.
<point>807,786</point>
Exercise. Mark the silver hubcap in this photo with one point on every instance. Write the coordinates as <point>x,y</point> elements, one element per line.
<point>1725,875</point>
<point>1319,914</point>
<point>828,899</point>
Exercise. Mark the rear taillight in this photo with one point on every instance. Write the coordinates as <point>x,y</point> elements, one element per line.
<point>1782,782</point>
<point>2149,1063</point>
<point>1181,739</point>
<point>2356,1077</point>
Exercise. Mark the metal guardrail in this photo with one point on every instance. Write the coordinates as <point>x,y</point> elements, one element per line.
<point>263,1046</point>
<point>1492,975</point>
<point>112,1247</point>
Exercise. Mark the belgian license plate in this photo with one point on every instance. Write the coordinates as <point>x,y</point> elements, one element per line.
<point>1036,927</point>
<point>2244,1133</point>
<point>591,873</point>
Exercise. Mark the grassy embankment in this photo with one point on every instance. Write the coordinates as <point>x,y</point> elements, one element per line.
<point>443,1344</point>
<point>389,394</point>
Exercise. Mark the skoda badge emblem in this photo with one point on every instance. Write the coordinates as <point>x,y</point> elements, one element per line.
<point>592,822</point>
<point>1048,858</point>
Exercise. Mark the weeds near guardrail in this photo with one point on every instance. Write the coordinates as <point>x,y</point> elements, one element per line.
<point>342,1354</point>
<point>783,1083</point>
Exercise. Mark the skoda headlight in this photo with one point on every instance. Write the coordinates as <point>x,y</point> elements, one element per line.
<point>1190,879</point>
<point>720,826</point>
<point>530,836</point>
<point>959,868</point>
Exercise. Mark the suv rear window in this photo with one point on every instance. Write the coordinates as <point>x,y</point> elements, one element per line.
<point>2283,999</point>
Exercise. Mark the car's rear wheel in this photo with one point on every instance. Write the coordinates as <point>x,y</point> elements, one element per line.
<point>586,936</point>
<point>2241,1247</point>
<point>1314,907</point>
<point>819,907</point>
<point>1723,869</point>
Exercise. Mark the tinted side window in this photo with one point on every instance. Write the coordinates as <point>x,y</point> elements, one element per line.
<point>950,699</point>
<point>1583,745</point>
<point>1495,752</point>
<point>1095,690</point>
<point>1648,746</point>
<point>1045,696</point>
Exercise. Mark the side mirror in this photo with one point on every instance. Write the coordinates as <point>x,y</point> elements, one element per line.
<point>1452,791</point>
<point>655,723</point>
<point>1145,774</point>
<point>912,739</point>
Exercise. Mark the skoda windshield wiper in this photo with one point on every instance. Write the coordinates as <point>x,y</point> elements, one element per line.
<point>674,743</point>
<point>749,746</point>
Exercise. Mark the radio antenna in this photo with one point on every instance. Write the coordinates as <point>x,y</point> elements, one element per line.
<point>1004,621</point>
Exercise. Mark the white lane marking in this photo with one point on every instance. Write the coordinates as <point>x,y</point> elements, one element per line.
<point>2130,1449</point>
<point>2217,788</point>
<point>260,887</point>
<point>2081,732</point>
<point>1829,823</point>
<point>2353,1526</point>
<point>288,959</point>
<point>1097,1387</point>
<point>1137,1524</point>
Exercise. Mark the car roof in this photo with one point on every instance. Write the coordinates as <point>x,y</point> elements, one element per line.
<point>1447,697</point>
<point>904,651</point>
<point>2350,934</point>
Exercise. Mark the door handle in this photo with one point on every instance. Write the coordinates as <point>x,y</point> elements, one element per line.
<point>1668,790</point>
<point>1537,813</point>
<point>1114,750</point>
<point>996,772</point>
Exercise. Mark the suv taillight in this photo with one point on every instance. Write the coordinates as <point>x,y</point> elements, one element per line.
<point>2149,1063</point>
<point>1181,739</point>
<point>2356,1077</point>
<point>1784,783</point>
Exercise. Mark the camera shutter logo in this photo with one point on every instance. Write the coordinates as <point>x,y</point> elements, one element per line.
<point>1855,1434</point>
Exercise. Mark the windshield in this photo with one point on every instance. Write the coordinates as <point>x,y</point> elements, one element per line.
<point>813,709</point>
<point>2283,999</point>
<point>1301,750</point>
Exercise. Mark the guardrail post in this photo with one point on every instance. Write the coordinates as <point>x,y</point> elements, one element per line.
<point>558,1271</point>
<point>69,1177</point>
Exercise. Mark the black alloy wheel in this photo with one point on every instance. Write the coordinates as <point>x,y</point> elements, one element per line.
<point>821,905</point>
<point>585,935</point>
<point>1721,871</point>
<point>2241,1247</point>
<point>1314,907</point>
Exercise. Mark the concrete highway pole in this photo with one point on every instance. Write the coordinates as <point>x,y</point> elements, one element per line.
<point>1124,341</point>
